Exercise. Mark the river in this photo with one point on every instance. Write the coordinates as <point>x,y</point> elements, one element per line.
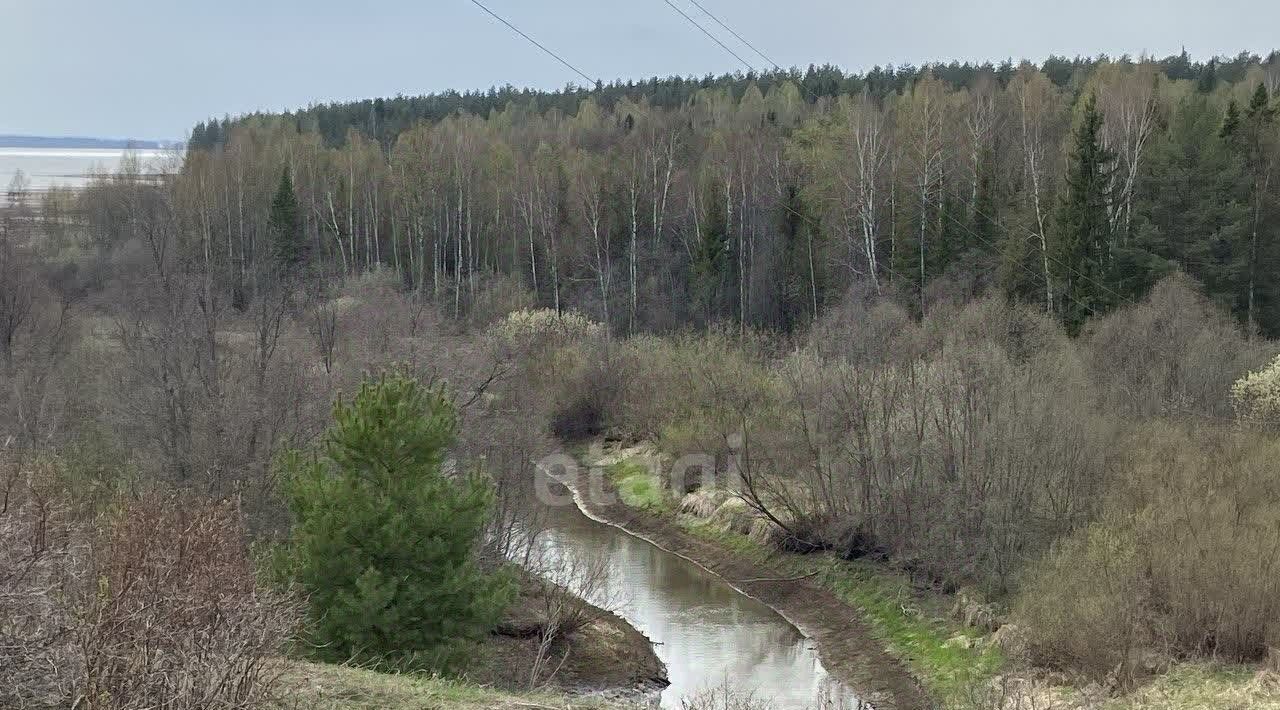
<point>43,168</point>
<point>708,634</point>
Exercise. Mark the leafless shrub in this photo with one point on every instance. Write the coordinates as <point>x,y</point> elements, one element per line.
<point>723,697</point>
<point>497,297</point>
<point>1185,559</point>
<point>322,326</point>
<point>159,609</point>
<point>727,696</point>
<point>174,618</point>
<point>42,558</point>
<point>564,586</point>
<point>959,461</point>
<point>1175,353</point>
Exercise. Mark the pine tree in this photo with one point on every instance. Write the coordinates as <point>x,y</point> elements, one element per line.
<point>1083,227</point>
<point>286,228</point>
<point>383,541</point>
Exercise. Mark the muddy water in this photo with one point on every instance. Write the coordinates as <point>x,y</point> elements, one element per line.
<point>708,634</point>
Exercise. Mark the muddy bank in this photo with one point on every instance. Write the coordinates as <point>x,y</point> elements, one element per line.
<point>605,656</point>
<point>845,644</point>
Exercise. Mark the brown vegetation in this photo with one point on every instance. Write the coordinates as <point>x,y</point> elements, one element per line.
<point>155,606</point>
<point>1098,486</point>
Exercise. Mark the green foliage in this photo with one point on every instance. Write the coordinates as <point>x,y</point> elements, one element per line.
<point>1084,235</point>
<point>1189,211</point>
<point>384,541</point>
<point>286,226</point>
<point>710,255</point>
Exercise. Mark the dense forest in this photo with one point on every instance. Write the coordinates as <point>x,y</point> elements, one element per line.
<point>1002,336</point>
<point>1076,184</point>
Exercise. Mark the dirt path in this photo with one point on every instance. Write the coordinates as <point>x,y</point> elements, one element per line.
<point>845,644</point>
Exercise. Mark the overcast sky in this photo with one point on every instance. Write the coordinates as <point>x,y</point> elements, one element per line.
<point>152,68</point>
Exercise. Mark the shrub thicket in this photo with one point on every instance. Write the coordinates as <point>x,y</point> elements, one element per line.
<point>1184,559</point>
<point>157,606</point>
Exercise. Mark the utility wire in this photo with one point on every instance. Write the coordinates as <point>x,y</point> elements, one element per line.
<point>590,82</point>
<point>739,37</point>
<point>806,218</point>
<point>994,249</point>
<point>945,190</point>
<point>704,31</point>
<point>813,222</point>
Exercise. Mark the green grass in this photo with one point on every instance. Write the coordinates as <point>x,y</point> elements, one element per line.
<point>713,532</point>
<point>914,629</point>
<point>639,488</point>
<point>917,635</point>
<point>317,686</point>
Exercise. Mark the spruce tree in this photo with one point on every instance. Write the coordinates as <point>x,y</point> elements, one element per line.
<point>1083,224</point>
<point>709,257</point>
<point>1189,210</point>
<point>384,540</point>
<point>286,227</point>
<point>1231,122</point>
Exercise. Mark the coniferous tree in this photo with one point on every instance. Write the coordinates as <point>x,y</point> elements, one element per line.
<point>1084,244</point>
<point>384,541</point>
<point>1189,212</point>
<point>709,259</point>
<point>801,282</point>
<point>1252,136</point>
<point>286,227</point>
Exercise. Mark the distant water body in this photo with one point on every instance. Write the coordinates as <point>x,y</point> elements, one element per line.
<point>44,168</point>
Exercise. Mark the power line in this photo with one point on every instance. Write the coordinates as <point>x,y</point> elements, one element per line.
<point>943,188</point>
<point>813,222</point>
<point>739,37</point>
<point>704,31</point>
<point>590,82</point>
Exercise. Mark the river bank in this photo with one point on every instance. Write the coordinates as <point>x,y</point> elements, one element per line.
<point>846,644</point>
<point>602,655</point>
<point>318,686</point>
<point>949,663</point>
<point>603,663</point>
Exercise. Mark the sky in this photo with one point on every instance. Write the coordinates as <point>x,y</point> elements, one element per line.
<point>152,68</point>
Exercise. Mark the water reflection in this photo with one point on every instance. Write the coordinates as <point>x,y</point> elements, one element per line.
<point>707,633</point>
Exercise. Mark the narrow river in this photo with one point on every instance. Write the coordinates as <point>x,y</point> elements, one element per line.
<point>708,634</point>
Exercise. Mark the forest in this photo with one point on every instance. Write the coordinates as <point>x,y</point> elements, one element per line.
<point>997,336</point>
<point>762,200</point>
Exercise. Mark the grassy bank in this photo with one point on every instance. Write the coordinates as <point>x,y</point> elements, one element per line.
<point>314,686</point>
<point>639,488</point>
<point>949,659</point>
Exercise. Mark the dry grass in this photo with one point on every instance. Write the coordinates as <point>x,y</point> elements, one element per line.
<point>1204,687</point>
<point>313,686</point>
